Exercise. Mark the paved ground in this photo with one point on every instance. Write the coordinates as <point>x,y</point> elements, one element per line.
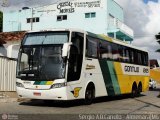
<point>6,97</point>
<point>147,103</point>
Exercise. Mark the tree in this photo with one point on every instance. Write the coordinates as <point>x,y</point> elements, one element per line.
<point>158,40</point>
<point>158,36</point>
<point>1,21</point>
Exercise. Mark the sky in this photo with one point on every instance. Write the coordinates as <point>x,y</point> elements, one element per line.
<point>142,16</point>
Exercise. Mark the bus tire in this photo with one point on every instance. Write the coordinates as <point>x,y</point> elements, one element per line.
<point>89,94</point>
<point>134,90</point>
<point>139,90</point>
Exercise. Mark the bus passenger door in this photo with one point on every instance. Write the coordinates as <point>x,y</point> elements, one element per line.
<point>75,57</point>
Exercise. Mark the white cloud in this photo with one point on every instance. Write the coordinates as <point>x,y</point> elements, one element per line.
<point>152,26</point>
<point>144,20</point>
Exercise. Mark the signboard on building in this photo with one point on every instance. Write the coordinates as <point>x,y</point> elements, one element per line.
<point>71,6</point>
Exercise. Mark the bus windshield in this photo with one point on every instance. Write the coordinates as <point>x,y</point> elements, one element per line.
<point>42,60</point>
<point>45,38</point>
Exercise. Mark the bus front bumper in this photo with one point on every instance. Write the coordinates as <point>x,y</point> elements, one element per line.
<point>51,94</point>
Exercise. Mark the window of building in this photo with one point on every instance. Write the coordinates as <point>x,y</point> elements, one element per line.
<point>65,17</point>
<point>28,20</point>
<point>90,15</point>
<point>93,15</point>
<point>36,19</point>
<point>61,17</point>
<point>87,15</point>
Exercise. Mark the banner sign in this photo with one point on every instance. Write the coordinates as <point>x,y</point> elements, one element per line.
<point>69,7</point>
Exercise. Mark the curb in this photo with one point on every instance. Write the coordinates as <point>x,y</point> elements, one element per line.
<point>8,100</point>
<point>23,100</point>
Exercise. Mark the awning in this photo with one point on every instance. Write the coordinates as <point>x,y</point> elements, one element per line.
<point>120,35</point>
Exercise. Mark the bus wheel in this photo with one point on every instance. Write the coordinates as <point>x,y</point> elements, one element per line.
<point>134,91</point>
<point>139,90</point>
<point>89,95</point>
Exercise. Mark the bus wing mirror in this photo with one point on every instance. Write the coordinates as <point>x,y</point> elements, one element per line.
<point>65,49</point>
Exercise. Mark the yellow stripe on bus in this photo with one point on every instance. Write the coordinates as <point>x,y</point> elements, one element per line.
<point>106,37</point>
<point>49,83</point>
<point>122,79</point>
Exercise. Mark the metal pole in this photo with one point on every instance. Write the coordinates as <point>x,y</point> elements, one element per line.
<point>32,19</point>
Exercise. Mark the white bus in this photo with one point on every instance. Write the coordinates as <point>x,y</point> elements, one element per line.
<point>68,64</point>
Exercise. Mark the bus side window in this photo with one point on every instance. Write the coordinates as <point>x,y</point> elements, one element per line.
<point>139,58</point>
<point>121,53</point>
<point>145,59</point>
<point>135,57</point>
<point>126,55</point>
<point>115,52</point>
<point>109,47</point>
<point>131,56</point>
<point>106,50</point>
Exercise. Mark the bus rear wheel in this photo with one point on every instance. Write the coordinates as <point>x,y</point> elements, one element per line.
<point>134,91</point>
<point>89,95</point>
<point>139,90</point>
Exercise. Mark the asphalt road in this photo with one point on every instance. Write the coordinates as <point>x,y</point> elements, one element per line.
<point>148,104</point>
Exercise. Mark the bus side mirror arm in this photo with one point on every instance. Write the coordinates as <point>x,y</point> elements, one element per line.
<point>65,49</point>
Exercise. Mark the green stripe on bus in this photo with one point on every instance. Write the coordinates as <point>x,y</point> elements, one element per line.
<point>43,82</point>
<point>110,78</point>
<point>107,77</point>
<point>114,78</point>
<point>37,82</point>
<point>40,82</point>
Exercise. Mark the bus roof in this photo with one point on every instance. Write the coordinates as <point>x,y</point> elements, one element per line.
<point>100,36</point>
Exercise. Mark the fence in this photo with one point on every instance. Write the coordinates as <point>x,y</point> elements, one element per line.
<point>7,74</point>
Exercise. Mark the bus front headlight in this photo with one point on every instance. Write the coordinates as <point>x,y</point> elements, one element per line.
<point>58,85</point>
<point>19,84</point>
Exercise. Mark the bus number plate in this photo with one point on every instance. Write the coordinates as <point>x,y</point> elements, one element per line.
<point>37,94</point>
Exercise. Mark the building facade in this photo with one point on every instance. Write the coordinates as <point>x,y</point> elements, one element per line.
<point>97,16</point>
<point>9,43</point>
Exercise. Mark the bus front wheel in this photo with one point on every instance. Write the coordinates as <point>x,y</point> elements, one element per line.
<point>89,95</point>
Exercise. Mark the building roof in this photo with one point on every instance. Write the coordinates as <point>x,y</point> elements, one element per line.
<point>11,36</point>
<point>1,40</point>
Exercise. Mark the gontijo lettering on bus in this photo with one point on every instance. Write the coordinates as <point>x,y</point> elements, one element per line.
<point>129,69</point>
